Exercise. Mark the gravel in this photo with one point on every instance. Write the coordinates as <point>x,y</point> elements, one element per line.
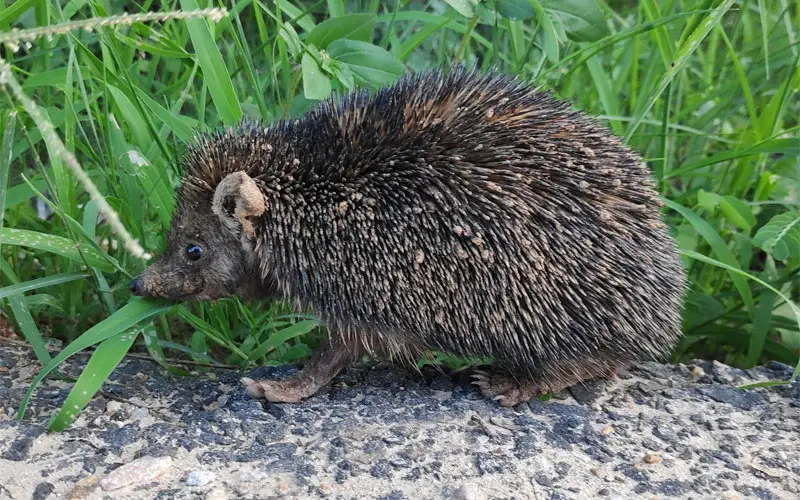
<point>666,431</point>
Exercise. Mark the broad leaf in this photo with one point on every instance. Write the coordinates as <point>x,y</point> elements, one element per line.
<point>582,19</point>
<point>738,212</point>
<point>464,7</point>
<point>353,27</point>
<point>316,85</point>
<point>781,236</point>
<point>370,64</point>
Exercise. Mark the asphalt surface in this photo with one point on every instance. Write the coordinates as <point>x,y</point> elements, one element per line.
<point>660,431</point>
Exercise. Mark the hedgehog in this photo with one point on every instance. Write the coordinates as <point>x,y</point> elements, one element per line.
<point>468,213</point>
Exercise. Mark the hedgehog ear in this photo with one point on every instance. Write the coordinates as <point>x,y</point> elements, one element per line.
<point>237,200</point>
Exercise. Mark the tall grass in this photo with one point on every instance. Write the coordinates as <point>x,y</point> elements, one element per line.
<point>98,108</point>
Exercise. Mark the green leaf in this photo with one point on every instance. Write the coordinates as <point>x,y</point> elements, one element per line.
<point>23,192</point>
<point>13,11</point>
<point>316,85</point>
<point>103,361</point>
<point>41,300</point>
<point>682,55</point>
<point>516,10</point>
<point>761,324</point>
<point>352,27</point>
<point>57,245</point>
<point>36,284</point>
<point>582,19</point>
<point>370,64</point>
<point>345,75</point>
<point>786,147</point>
<point>215,73</point>
<point>289,35</point>
<point>133,313</point>
<point>700,307</point>
<point>720,249</point>
<point>281,336</point>
<point>336,8</point>
<point>707,200</point>
<point>780,237</point>
<point>90,213</point>
<point>738,212</point>
<point>549,34</point>
<point>6,144</point>
<point>733,269</point>
<point>26,323</point>
<point>464,7</point>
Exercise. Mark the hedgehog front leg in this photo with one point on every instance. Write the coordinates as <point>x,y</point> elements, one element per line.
<point>323,366</point>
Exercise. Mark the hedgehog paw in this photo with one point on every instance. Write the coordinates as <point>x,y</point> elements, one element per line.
<point>292,390</point>
<point>505,390</point>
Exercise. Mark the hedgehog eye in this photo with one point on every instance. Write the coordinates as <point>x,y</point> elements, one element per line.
<point>194,252</point>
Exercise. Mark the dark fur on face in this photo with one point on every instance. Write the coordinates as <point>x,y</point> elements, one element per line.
<point>203,260</point>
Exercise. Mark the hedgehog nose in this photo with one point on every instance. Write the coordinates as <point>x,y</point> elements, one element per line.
<point>135,286</point>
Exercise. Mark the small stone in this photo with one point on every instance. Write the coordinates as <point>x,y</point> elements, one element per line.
<point>465,492</point>
<point>83,488</point>
<point>698,372</point>
<point>543,479</point>
<point>200,478</point>
<point>42,491</point>
<point>652,458</point>
<point>216,494</point>
<point>140,414</point>
<point>607,430</point>
<point>603,474</point>
<point>139,471</point>
<point>113,407</point>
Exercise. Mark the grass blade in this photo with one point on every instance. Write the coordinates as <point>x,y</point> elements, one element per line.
<point>133,313</point>
<point>57,245</point>
<point>36,284</point>
<point>215,73</point>
<point>732,269</point>
<point>103,361</point>
<point>26,323</point>
<point>720,249</point>
<point>684,52</point>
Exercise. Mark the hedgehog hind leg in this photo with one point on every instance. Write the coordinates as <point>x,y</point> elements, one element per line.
<point>323,366</point>
<point>510,388</point>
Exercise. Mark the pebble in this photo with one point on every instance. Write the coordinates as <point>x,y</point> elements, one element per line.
<point>652,458</point>
<point>83,488</point>
<point>200,478</point>
<point>137,472</point>
<point>216,494</point>
<point>465,492</point>
<point>113,407</point>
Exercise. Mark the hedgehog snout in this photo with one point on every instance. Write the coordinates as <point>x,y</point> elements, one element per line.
<point>135,287</point>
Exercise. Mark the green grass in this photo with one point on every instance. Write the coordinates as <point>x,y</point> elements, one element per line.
<point>706,91</point>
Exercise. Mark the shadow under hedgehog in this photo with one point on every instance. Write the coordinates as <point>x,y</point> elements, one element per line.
<point>456,211</point>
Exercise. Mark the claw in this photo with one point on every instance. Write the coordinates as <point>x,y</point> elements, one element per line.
<point>252,388</point>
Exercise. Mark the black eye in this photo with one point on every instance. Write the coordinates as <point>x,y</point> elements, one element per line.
<point>194,252</point>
